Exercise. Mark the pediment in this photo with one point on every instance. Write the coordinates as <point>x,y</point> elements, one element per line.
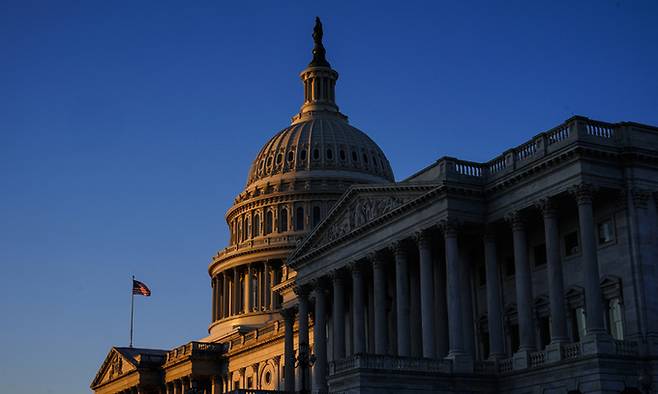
<point>114,367</point>
<point>359,208</point>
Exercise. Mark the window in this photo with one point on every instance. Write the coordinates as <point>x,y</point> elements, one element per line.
<point>316,216</point>
<point>514,337</point>
<point>291,156</point>
<point>365,158</point>
<point>571,246</point>
<point>302,155</point>
<point>256,226</point>
<point>279,158</point>
<point>540,255</point>
<point>579,324</point>
<point>245,229</point>
<point>283,220</point>
<point>544,331</point>
<point>482,274</point>
<point>330,154</point>
<point>268,377</point>
<point>355,157</point>
<point>268,222</point>
<point>606,232</point>
<point>299,219</point>
<point>616,321</point>
<point>509,266</point>
<point>250,383</point>
<point>342,154</point>
<point>316,154</point>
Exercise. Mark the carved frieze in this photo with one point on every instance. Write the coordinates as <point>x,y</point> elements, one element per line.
<point>360,212</point>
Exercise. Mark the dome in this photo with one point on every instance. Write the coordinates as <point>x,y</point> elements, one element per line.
<point>326,144</point>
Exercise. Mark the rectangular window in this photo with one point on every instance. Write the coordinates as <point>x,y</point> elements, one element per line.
<point>509,266</point>
<point>544,331</point>
<point>580,324</point>
<point>514,338</point>
<point>539,252</point>
<point>571,244</point>
<point>606,232</point>
<point>482,274</point>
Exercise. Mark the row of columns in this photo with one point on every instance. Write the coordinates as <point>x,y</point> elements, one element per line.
<point>454,283</point>
<point>233,293</point>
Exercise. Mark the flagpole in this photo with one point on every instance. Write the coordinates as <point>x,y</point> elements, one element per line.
<point>132,309</point>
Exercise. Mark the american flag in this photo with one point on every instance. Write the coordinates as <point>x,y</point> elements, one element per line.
<point>140,288</point>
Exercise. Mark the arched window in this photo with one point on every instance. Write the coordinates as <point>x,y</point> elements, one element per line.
<point>316,216</point>
<point>256,225</point>
<point>283,220</point>
<point>299,219</point>
<point>268,222</point>
<point>245,229</point>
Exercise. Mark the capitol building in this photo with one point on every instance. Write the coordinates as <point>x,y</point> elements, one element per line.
<point>533,272</point>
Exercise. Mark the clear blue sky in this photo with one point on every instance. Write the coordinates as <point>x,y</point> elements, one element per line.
<point>126,130</point>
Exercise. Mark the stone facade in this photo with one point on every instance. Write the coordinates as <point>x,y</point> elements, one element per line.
<point>532,272</point>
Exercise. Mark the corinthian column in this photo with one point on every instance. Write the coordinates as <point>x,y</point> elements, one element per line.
<point>455,331</point>
<point>402,295</point>
<point>289,349</point>
<point>303,358</point>
<point>593,298</point>
<point>338,314</point>
<point>523,283</point>
<point>494,307</point>
<point>554,270</point>
<point>379,287</point>
<point>358,301</point>
<point>320,339</point>
<point>426,294</point>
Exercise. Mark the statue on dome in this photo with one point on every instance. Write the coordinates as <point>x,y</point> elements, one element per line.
<point>318,49</point>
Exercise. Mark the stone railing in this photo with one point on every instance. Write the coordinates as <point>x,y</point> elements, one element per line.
<point>193,349</point>
<point>380,362</point>
<point>271,240</point>
<point>506,365</point>
<point>571,350</point>
<point>537,359</point>
<point>574,130</point>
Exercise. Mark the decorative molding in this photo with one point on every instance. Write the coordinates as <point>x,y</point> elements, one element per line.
<point>640,197</point>
<point>422,238</point>
<point>449,226</point>
<point>516,219</point>
<point>583,193</point>
<point>547,207</point>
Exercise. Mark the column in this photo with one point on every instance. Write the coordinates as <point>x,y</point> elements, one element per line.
<point>267,286</point>
<point>358,301</point>
<point>426,294</point>
<point>440,306</point>
<point>213,284</point>
<point>402,298</point>
<point>554,270</point>
<point>303,341</point>
<point>454,294</point>
<point>523,283</point>
<point>289,349</point>
<point>379,288</point>
<point>338,314</point>
<point>467,301</point>
<point>225,295</point>
<point>248,296</point>
<point>215,384</point>
<point>236,291</point>
<point>494,307</point>
<point>593,297</point>
<point>320,339</point>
